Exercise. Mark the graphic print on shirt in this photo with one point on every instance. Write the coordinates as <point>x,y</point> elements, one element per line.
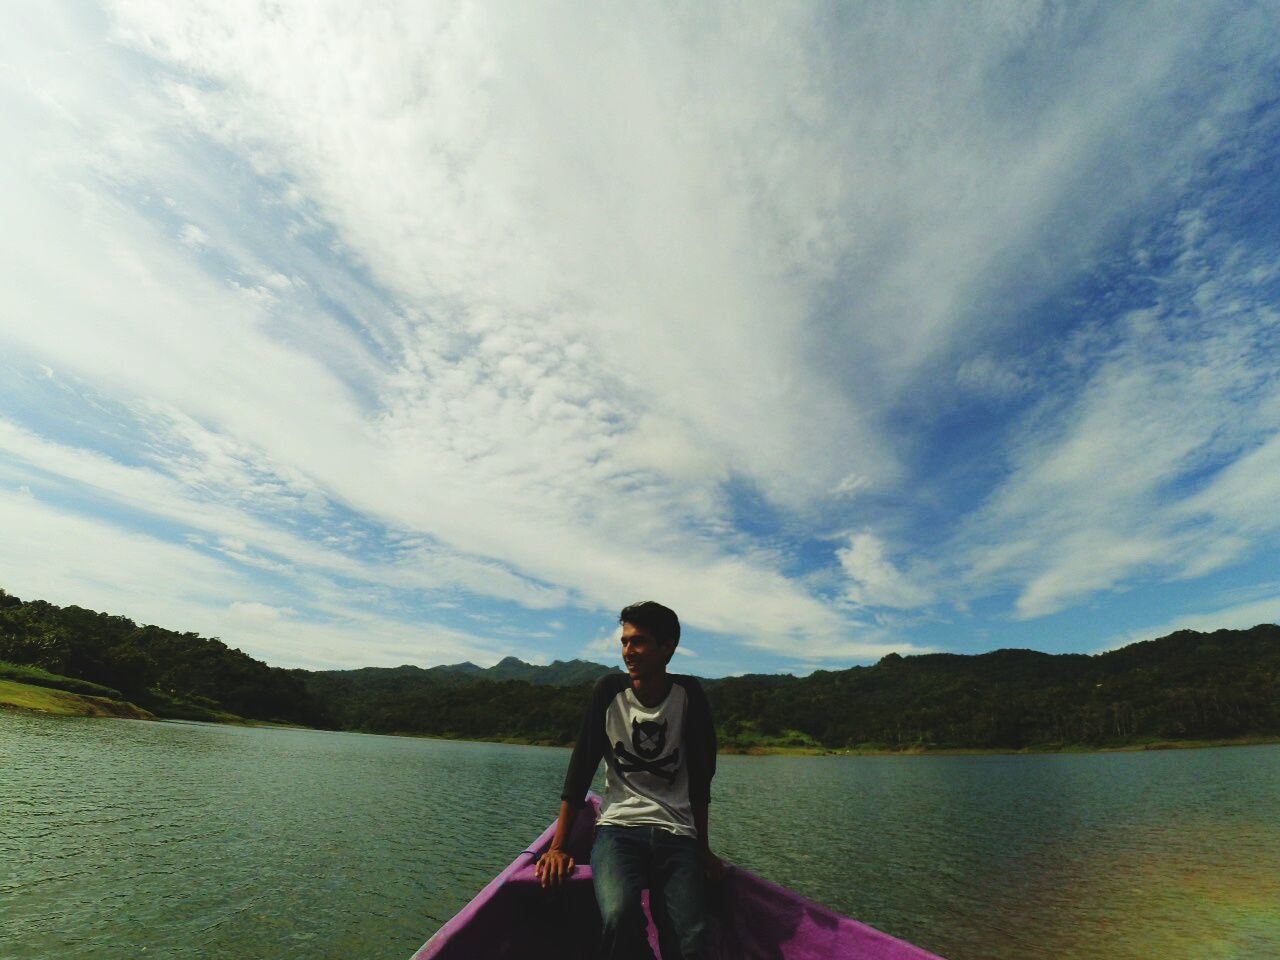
<point>648,737</point>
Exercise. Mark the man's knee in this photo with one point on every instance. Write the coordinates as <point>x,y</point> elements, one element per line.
<point>693,939</point>
<point>621,913</point>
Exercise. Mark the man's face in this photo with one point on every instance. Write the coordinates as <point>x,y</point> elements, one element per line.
<point>643,654</point>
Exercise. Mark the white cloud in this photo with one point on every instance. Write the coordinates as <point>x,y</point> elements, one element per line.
<point>603,648</point>
<point>873,579</point>
<point>193,236</point>
<point>985,375</point>
<point>116,570</point>
<point>469,167</point>
<point>1245,494</point>
<point>252,611</point>
<point>851,484</point>
<point>1160,459</point>
<point>195,495</point>
<point>529,292</point>
<point>155,581</point>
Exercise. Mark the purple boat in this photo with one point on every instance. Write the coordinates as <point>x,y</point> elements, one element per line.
<point>752,920</point>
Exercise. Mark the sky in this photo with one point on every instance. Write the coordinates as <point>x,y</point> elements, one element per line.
<point>381,333</point>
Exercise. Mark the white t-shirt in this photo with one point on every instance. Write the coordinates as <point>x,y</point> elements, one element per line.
<point>658,759</point>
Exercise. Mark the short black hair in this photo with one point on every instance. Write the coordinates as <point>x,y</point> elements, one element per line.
<point>653,617</point>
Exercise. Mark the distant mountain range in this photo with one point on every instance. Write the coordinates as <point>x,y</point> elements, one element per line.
<point>558,673</point>
<point>1187,686</point>
<point>389,698</point>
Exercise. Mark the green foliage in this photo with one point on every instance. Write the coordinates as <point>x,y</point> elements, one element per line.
<point>43,678</point>
<point>171,674</point>
<point>374,698</point>
<point>1187,686</point>
<point>1184,687</point>
<point>43,699</point>
<point>748,736</point>
<point>483,710</point>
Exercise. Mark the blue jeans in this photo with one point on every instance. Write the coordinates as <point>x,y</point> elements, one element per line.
<point>627,860</point>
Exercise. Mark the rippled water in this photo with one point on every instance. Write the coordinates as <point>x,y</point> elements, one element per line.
<point>127,839</point>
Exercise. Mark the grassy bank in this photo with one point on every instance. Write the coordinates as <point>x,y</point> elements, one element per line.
<point>787,746</point>
<point>870,750</point>
<point>26,687</point>
<point>45,699</point>
<point>31,688</point>
<point>35,676</point>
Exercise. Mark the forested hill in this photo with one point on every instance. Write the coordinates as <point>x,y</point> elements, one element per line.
<point>1186,686</point>
<point>177,675</point>
<point>401,698</point>
<point>186,676</point>
<point>560,673</point>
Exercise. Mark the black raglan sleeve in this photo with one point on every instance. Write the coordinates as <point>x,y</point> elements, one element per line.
<point>700,741</point>
<point>590,747</point>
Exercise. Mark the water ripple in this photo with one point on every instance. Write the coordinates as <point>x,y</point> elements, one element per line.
<point>193,840</point>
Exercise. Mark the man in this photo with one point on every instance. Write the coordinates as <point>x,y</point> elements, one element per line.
<point>654,731</point>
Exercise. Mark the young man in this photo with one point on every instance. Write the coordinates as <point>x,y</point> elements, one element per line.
<point>654,731</point>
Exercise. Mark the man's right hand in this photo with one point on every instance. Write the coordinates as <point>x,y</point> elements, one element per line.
<point>553,868</point>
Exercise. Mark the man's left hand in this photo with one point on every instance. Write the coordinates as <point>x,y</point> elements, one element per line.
<point>712,867</point>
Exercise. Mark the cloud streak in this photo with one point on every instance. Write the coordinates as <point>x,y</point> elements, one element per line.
<point>541,310</point>
<point>1159,456</point>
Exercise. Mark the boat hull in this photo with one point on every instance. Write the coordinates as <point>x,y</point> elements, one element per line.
<point>514,917</point>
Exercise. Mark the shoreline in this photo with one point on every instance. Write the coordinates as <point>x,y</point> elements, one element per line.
<point>735,750</point>
<point>55,702</point>
<point>1041,750</point>
<point>30,698</point>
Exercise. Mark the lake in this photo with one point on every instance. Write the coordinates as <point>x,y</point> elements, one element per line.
<point>127,839</point>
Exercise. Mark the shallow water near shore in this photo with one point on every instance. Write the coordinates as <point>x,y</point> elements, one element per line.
<point>127,838</point>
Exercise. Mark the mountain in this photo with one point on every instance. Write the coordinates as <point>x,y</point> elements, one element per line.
<point>351,697</point>
<point>171,674</point>
<point>1186,686</point>
<point>560,673</point>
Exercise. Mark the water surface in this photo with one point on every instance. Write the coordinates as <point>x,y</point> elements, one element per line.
<point>128,838</point>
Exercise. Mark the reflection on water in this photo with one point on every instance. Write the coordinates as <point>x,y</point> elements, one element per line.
<point>1175,893</point>
<point>190,840</point>
<point>1168,854</point>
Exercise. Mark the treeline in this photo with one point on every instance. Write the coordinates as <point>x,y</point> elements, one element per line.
<point>1186,686</point>
<point>480,710</point>
<point>176,675</point>
<point>510,700</point>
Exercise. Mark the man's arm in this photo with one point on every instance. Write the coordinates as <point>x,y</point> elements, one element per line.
<point>700,824</point>
<point>702,768</point>
<point>712,867</point>
<point>700,740</point>
<point>555,865</point>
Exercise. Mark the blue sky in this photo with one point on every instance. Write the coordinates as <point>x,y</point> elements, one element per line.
<point>363,334</point>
